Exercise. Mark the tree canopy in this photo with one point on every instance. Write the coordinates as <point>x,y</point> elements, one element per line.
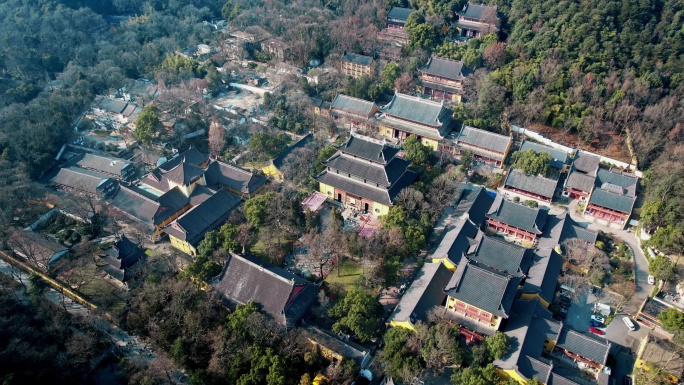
<point>358,312</point>
<point>662,268</point>
<point>148,124</point>
<point>532,162</point>
<point>416,151</point>
<point>673,321</point>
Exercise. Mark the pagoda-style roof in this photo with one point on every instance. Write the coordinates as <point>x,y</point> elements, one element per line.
<point>444,68</point>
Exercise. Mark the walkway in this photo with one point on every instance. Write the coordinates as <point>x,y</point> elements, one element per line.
<point>125,344</point>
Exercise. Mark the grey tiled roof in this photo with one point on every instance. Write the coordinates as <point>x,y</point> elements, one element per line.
<point>385,175</point>
<point>464,24</point>
<point>208,216</point>
<point>617,202</point>
<point>353,105</point>
<point>572,230</point>
<point>484,139</point>
<point>169,203</point>
<point>580,181</point>
<point>128,252</point>
<point>456,241</point>
<point>503,256</point>
<point>445,68</point>
<point>112,105</point>
<point>184,174</point>
<point>82,179</point>
<point>406,179</point>
<point>562,227</point>
<point>220,173</point>
<point>38,245</point>
<point>358,59</point>
<point>303,141</point>
<point>531,183</point>
<point>626,181</point>
<point>557,379</point>
<point>592,348</point>
<point>417,110</point>
<point>190,156</point>
<point>281,294</point>
<point>473,201</point>
<point>518,215</point>
<point>615,191</point>
<point>586,163</point>
<point>120,257</point>
<point>363,190</point>
<point>426,292</point>
<point>558,157</point>
<point>346,349</point>
<point>368,149</point>
<point>399,13</point>
<point>534,368</point>
<point>483,288</point>
<point>418,129</point>
<point>478,11</point>
<point>103,164</point>
<point>529,325</point>
<point>135,204</point>
<point>542,277</point>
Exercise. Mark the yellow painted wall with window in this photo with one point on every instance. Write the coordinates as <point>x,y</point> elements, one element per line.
<point>495,322</point>
<point>535,295</point>
<point>183,246</point>
<point>447,263</point>
<point>511,374</point>
<point>403,324</point>
<point>329,191</point>
<point>430,143</point>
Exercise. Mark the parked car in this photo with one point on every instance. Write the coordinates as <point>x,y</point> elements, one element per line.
<point>598,332</point>
<point>592,289</point>
<point>651,280</point>
<point>595,324</point>
<point>598,318</point>
<point>628,322</point>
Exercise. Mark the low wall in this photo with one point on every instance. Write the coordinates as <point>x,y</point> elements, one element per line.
<point>252,89</point>
<point>604,159</point>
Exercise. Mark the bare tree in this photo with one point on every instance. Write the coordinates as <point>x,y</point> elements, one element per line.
<point>585,255</point>
<point>80,269</point>
<point>217,138</point>
<point>31,246</point>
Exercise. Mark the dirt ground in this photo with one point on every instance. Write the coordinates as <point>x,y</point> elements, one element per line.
<point>616,148</point>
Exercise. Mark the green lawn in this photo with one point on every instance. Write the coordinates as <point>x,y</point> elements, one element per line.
<point>270,254</point>
<point>104,294</point>
<point>350,272</point>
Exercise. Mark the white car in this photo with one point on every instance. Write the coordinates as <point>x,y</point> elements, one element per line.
<point>651,280</point>
<point>598,318</point>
